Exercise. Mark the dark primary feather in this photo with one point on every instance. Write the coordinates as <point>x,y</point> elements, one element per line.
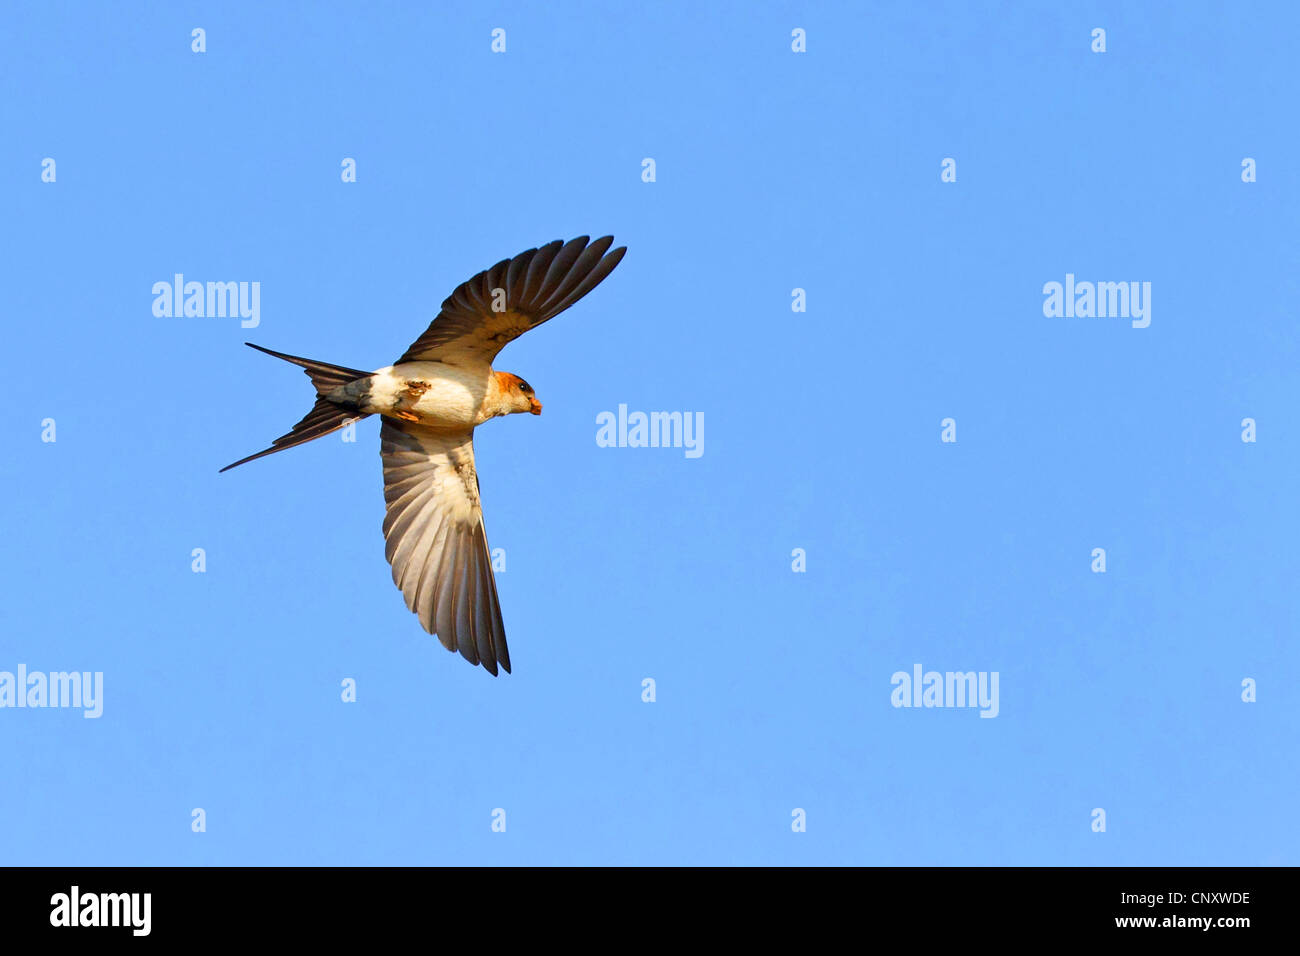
<point>538,285</point>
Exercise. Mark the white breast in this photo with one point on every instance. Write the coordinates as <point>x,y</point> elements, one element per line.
<point>433,392</point>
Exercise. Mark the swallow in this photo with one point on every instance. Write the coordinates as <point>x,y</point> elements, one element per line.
<point>430,402</point>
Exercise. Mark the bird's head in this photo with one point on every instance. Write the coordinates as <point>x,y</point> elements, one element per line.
<point>517,395</point>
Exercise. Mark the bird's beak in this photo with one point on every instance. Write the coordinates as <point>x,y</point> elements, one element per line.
<point>534,406</point>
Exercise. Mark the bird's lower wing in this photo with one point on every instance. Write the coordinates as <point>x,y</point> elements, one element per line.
<point>436,542</point>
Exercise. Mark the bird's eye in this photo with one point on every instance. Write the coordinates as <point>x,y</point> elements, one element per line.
<point>525,387</point>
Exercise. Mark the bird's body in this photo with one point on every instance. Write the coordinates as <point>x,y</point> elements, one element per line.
<point>438,394</point>
<point>431,401</point>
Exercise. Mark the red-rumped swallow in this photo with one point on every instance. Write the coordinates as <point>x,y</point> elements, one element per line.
<point>431,401</point>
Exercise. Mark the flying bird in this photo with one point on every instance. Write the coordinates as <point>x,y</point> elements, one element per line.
<point>431,401</point>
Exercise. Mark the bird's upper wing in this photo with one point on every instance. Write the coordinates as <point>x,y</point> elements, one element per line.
<point>436,542</point>
<point>497,306</point>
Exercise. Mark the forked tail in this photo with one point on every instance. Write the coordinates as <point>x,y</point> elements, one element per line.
<point>325,416</point>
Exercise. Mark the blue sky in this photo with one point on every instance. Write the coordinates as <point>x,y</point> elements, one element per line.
<point>775,171</point>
